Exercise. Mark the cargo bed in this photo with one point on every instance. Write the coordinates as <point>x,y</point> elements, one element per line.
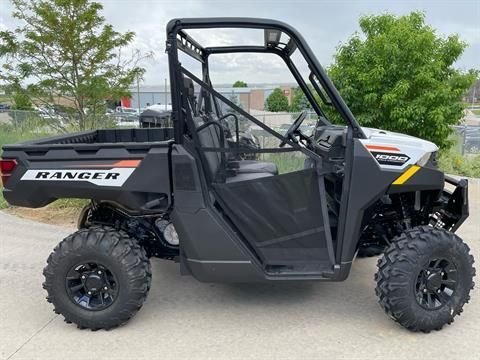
<point>130,167</point>
<point>102,136</point>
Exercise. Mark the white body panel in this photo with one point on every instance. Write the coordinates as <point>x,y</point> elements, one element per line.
<point>400,144</point>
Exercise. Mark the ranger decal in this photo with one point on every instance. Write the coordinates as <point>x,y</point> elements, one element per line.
<point>110,177</point>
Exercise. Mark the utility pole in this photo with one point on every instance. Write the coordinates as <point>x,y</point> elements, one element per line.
<point>138,94</point>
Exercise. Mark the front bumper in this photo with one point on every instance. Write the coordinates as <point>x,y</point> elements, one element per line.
<point>453,210</point>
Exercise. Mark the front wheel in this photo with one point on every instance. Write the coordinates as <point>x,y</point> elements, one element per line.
<point>424,278</point>
<point>97,278</point>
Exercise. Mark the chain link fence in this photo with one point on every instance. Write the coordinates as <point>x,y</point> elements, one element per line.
<point>50,120</point>
<point>467,139</point>
<point>17,125</point>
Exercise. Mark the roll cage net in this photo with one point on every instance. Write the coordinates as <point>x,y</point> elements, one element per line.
<point>278,38</point>
<point>224,121</point>
<point>266,209</point>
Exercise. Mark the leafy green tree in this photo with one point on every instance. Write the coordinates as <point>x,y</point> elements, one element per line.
<point>63,49</point>
<point>277,101</point>
<point>21,101</point>
<point>299,101</point>
<point>398,75</point>
<point>239,84</point>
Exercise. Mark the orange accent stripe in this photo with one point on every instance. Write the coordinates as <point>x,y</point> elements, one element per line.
<point>381,147</point>
<point>121,164</point>
<point>127,163</point>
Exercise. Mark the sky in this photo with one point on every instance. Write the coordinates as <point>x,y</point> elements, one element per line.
<point>324,24</point>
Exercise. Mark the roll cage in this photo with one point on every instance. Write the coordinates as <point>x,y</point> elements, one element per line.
<point>192,118</point>
<point>179,39</point>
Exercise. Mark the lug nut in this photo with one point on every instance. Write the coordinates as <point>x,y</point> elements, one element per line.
<point>83,277</point>
<point>439,291</point>
<point>428,272</point>
<point>99,272</point>
<point>424,290</point>
<point>105,288</point>
<point>443,273</point>
<point>89,293</point>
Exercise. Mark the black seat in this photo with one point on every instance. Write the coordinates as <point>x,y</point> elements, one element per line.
<point>213,136</point>
<point>210,136</point>
<point>190,94</point>
<point>239,166</point>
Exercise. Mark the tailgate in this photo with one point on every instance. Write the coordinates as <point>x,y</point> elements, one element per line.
<point>136,175</point>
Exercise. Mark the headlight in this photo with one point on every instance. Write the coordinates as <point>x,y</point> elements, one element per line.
<point>424,159</point>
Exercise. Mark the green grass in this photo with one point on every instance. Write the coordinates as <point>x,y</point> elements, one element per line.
<point>456,164</point>
<point>63,204</point>
<point>476,112</point>
<point>286,162</point>
<point>7,136</point>
<point>3,203</point>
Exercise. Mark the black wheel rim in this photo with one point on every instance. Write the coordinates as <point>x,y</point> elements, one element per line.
<point>91,286</point>
<point>436,283</point>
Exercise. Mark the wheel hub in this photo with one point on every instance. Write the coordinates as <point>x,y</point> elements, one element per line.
<point>94,282</point>
<point>436,283</point>
<point>91,286</point>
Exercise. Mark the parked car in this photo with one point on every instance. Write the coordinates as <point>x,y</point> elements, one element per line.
<point>154,116</point>
<point>4,107</point>
<point>126,110</point>
<point>126,117</point>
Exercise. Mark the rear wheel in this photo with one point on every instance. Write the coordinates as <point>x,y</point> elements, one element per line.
<point>97,278</point>
<point>424,278</point>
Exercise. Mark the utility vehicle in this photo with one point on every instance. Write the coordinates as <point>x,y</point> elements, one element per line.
<point>183,194</point>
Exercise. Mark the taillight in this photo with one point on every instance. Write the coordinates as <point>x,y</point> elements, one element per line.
<point>6,169</point>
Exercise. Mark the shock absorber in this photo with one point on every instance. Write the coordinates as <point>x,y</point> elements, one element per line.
<point>406,220</point>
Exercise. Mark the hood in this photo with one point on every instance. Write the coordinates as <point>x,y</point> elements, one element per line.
<point>394,138</point>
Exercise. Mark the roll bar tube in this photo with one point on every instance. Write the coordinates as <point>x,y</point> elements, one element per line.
<point>176,25</point>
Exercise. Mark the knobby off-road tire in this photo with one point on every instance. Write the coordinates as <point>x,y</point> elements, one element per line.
<point>405,291</point>
<point>123,265</point>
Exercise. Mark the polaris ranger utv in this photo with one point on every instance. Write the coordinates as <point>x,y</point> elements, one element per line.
<point>182,194</point>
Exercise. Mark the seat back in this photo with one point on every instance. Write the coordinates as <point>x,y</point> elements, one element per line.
<point>190,95</point>
<point>210,132</point>
<point>211,135</point>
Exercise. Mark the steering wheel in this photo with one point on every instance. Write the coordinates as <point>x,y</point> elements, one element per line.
<point>294,127</point>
